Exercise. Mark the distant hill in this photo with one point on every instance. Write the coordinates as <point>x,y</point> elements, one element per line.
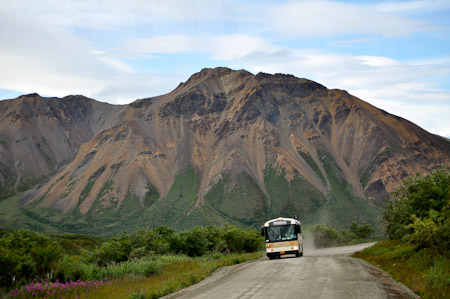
<point>224,147</point>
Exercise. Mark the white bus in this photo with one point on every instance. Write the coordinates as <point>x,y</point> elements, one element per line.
<point>283,236</point>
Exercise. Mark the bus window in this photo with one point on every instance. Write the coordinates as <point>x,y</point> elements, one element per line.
<point>281,233</point>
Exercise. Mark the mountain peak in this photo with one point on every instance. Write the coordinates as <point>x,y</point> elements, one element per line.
<point>31,95</point>
<point>213,73</point>
<point>225,146</point>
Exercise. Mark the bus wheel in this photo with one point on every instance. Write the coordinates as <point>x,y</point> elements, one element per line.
<point>297,254</point>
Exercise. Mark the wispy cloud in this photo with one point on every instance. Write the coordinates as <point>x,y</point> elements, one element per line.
<point>326,18</point>
<point>413,6</point>
<point>117,14</point>
<point>38,57</point>
<point>176,43</point>
<point>118,51</point>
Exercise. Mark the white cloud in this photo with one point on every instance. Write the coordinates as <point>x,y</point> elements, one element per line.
<point>126,89</point>
<point>413,6</point>
<point>176,43</point>
<point>116,14</point>
<point>42,49</point>
<point>37,57</point>
<point>327,18</point>
<point>237,46</point>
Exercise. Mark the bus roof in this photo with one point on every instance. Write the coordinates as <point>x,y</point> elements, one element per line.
<point>281,221</point>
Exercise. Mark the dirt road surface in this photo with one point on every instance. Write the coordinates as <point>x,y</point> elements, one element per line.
<point>322,273</point>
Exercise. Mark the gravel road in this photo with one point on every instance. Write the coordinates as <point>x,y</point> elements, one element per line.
<point>322,273</point>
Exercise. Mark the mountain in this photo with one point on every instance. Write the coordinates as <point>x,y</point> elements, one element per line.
<point>224,147</point>
<point>39,134</point>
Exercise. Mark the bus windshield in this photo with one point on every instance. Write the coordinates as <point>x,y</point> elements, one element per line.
<point>281,233</point>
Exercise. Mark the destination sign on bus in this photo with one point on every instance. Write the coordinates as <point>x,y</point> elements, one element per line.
<point>280,223</point>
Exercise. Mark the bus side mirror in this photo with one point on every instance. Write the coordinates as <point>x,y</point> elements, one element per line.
<point>262,231</point>
<point>298,229</point>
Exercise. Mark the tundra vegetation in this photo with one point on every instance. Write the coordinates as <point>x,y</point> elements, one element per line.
<point>320,235</point>
<point>418,226</point>
<point>145,263</point>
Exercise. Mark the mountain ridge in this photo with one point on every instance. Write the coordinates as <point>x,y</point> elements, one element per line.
<point>237,131</point>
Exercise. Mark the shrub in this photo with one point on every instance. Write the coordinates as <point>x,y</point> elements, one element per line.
<point>117,249</point>
<point>25,255</point>
<point>420,211</point>
<point>361,231</point>
<point>324,236</point>
<point>153,241</point>
<point>195,241</point>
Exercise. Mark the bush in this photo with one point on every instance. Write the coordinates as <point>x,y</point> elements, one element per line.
<point>361,231</point>
<point>420,211</point>
<point>324,236</point>
<point>117,249</point>
<point>195,241</point>
<point>25,255</point>
<point>156,241</point>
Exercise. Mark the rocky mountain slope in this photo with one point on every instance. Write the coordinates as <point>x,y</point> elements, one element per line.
<point>225,146</point>
<point>39,134</point>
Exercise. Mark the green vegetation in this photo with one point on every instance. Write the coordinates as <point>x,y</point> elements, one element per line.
<point>25,256</point>
<point>4,139</point>
<point>12,215</point>
<point>320,235</point>
<point>423,270</point>
<point>86,191</point>
<point>308,159</point>
<point>288,198</point>
<point>105,189</point>
<point>343,206</point>
<point>28,183</point>
<point>7,189</point>
<point>128,216</point>
<point>148,257</point>
<point>337,209</point>
<point>420,213</point>
<point>174,208</point>
<point>151,196</point>
<point>418,224</point>
<point>238,200</point>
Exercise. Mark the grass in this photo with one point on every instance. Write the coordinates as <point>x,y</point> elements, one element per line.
<point>294,197</point>
<point>423,270</point>
<point>151,277</point>
<point>177,272</point>
<point>74,244</point>
<point>238,200</point>
<point>343,205</point>
<point>12,216</point>
<point>28,183</point>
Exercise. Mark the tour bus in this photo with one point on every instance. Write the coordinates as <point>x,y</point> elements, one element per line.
<point>283,236</point>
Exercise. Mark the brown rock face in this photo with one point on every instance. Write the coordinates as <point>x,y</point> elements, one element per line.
<point>222,123</point>
<point>38,134</point>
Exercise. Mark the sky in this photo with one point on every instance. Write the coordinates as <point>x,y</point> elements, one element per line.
<point>392,54</point>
